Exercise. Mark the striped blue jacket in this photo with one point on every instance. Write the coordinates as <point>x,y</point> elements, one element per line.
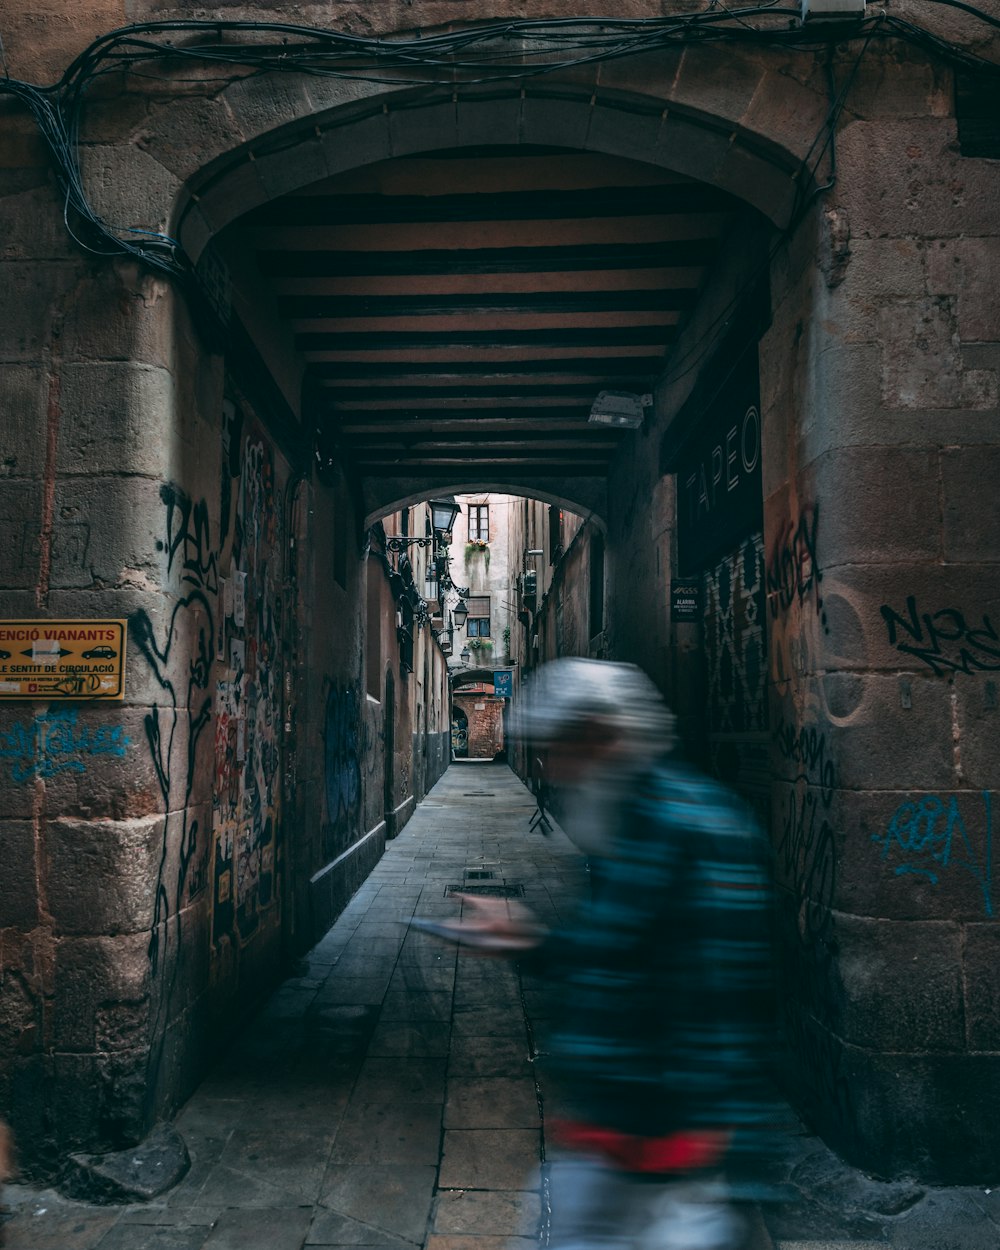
<point>668,1016</point>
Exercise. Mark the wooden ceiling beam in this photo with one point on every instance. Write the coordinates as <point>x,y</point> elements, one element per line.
<point>520,206</point>
<point>477,407</point>
<point>476,358</point>
<point>468,392</point>
<point>604,336</point>
<point>463,427</point>
<point>443,236</point>
<point>307,307</point>
<point>486,449</point>
<point>484,260</point>
<point>467,467</point>
<point>597,366</point>
<point>488,286</point>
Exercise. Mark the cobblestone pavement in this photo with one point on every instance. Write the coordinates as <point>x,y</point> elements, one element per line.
<point>387,1097</point>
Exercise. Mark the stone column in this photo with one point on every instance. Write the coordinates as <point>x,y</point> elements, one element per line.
<point>883,531</point>
<point>103,816</point>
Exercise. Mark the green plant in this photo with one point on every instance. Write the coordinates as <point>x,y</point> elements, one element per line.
<point>475,547</point>
<point>480,644</point>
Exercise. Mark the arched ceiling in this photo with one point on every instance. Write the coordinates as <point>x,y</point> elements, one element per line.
<point>459,312</point>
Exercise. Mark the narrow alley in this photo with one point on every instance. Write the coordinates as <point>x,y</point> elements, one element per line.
<point>386,1096</point>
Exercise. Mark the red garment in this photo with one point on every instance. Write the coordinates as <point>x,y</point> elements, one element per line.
<point>677,1152</point>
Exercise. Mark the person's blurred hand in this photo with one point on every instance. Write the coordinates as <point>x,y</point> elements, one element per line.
<point>493,925</point>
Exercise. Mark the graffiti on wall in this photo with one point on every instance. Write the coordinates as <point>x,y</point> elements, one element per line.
<point>807,854</point>
<point>793,577</point>
<point>735,641</point>
<point>342,758</point>
<point>219,651</point>
<point>929,837</point>
<point>944,640</point>
<point>807,862</point>
<point>188,541</point>
<point>826,1086</point>
<point>179,659</point>
<point>246,790</point>
<point>793,572</point>
<point>53,742</point>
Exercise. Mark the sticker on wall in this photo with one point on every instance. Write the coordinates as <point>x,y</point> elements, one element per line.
<point>237,656</point>
<point>239,600</point>
<point>62,659</point>
<point>685,600</point>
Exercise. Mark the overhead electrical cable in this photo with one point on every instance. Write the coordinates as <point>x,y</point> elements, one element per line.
<point>488,53</point>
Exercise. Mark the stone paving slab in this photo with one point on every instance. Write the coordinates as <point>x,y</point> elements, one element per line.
<point>387,1096</point>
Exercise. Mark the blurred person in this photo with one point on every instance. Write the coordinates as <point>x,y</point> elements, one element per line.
<point>663,1038</point>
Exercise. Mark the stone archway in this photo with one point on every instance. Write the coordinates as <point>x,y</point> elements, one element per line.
<point>591,506</point>
<point>662,118</point>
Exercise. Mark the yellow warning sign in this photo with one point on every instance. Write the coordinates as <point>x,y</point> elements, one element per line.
<point>62,659</point>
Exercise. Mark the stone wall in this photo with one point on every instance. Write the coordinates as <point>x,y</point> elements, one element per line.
<point>162,856</point>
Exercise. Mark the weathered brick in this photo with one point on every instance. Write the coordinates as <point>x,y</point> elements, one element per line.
<point>130,187</point>
<point>122,313</point>
<point>930,1114</point>
<point>102,874</point>
<point>861,522</point>
<point>21,510</point>
<point>23,405</point>
<point>966,267</point>
<point>907,178</point>
<point>903,1005</point>
<point>872,853</point>
<point>117,418</point>
<point>19,895</point>
<point>971,513</point>
<point>92,973</point>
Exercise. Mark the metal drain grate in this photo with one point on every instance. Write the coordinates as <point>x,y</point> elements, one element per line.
<point>479,794</point>
<point>488,891</point>
<point>479,874</point>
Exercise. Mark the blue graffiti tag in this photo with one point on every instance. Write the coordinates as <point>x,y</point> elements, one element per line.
<point>54,743</point>
<point>932,835</point>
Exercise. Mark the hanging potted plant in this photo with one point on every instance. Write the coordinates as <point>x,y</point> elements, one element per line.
<point>480,644</point>
<point>476,547</point>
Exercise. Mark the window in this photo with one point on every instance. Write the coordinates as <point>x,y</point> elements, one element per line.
<point>478,624</point>
<point>479,522</point>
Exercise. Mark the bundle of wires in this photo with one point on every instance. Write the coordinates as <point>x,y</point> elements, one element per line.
<point>485,53</point>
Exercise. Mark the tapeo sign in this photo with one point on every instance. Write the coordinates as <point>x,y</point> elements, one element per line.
<point>62,659</point>
<point>719,500</point>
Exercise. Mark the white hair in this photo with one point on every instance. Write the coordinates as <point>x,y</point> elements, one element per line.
<point>566,694</point>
